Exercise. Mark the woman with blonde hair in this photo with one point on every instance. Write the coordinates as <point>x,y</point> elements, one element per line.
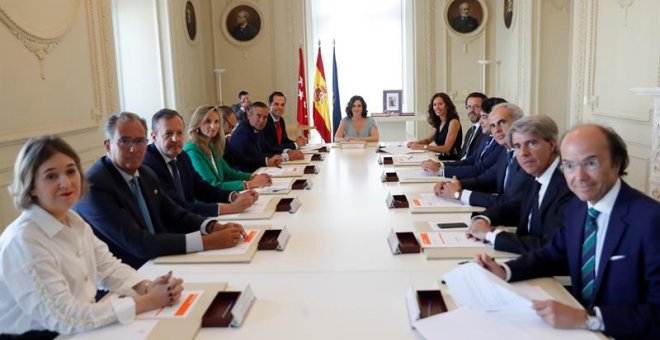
<point>51,261</point>
<point>206,146</point>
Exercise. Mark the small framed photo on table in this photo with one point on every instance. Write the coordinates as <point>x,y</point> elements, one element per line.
<point>392,100</point>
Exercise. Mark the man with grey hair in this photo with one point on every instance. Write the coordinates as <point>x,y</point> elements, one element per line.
<point>128,209</point>
<point>539,212</point>
<point>501,182</point>
<point>244,30</point>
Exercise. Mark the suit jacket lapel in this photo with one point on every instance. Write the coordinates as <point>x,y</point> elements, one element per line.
<point>125,191</point>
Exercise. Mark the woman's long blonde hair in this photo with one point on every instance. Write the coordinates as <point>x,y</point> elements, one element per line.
<point>196,136</point>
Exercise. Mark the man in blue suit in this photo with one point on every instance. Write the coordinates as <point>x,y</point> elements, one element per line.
<point>246,143</point>
<point>609,243</point>
<point>538,214</point>
<point>177,175</point>
<point>128,210</point>
<point>481,159</point>
<point>503,181</point>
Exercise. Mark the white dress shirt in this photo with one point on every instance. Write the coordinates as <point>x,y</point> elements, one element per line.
<point>49,274</point>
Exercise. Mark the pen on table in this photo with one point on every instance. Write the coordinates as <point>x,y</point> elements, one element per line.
<point>428,313</point>
<point>464,262</point>
<point>231,304</point>
<point>278,166</point>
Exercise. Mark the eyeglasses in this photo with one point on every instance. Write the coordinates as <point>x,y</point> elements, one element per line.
<point>127,142</point>
<point>590,165</point>
<point>230,125</point>
<point>470,106</point>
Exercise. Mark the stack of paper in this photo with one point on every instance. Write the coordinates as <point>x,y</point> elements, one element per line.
<point>414,159</point>
<point>428,202</point>
<point>454,244</point>
<point>400,150</point>
<point>417,176</point>
<point>282,171</point>
<point>280,186</point>
<point>488,304</point>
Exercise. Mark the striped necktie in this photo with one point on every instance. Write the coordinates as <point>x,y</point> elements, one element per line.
<point>142,204</point>
<point>177,179</point>
<point>588,269</point>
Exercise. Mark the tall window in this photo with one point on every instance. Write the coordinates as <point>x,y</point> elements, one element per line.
<point>368,44</point>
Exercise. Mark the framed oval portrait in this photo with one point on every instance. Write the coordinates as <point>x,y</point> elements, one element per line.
<point>508,13</point>
<point>242,23</point>
<point>191,21</point>
<point>466,17</point>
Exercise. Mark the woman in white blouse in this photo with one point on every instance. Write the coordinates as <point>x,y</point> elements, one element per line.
<point>50,261</point>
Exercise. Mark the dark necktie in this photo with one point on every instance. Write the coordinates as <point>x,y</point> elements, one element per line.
<point>142,204</point>
<point>469,137</point>
<point>177,179</point>
<point>509,168</point>
<point>278,130</point>
<point>534,215</point>
<point>588,269</point>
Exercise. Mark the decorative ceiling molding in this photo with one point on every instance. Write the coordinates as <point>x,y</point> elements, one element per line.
<point>39,25</point>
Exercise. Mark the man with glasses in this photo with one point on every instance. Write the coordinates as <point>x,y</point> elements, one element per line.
<point>473,135</point>
<point>609,244</point>
<point>130,212</point>
<point>539,211</point>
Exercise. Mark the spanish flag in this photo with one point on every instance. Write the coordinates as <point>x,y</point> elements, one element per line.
<point>321,113</point>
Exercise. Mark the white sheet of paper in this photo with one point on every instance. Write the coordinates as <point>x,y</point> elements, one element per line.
<point>258,207</point>
<point>275,171</point>
<point>429,199</point>
<point>239,249</point>
<point>467,323</point>
<point>311,147</point>
<point>399,150</point>
<point>136,330</point>
<point>417,173</point>
<point>447,239</point>
<point>472,286</point>
<point>180,310</point>
<point>279,184</point>
<point>411,159</point>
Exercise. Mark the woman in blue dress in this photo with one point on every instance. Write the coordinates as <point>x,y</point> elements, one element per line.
<point>356,126</point>
<point>447,133</point>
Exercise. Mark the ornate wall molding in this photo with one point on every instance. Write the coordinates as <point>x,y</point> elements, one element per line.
<point>39,32</point>
<point>654,171</point>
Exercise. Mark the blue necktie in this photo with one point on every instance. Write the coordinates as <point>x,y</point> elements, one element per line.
<point>508,169</point>
<point>588,269</point>
<point>142,205</point>
<point>177,179</point>
<point>534,218</point>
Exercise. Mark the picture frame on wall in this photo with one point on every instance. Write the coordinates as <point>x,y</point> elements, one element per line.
<point>392,100</point>
<point>242,23</point>
<point>191,20</point>
<point>466,18</point>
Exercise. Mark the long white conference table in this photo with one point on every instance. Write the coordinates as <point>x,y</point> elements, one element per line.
<point>337,277</point>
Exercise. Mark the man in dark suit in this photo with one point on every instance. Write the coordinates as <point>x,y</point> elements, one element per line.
<point>275,130</point>
<point>539,213</point>
<point>609,243</point>
<point>177,176</point>
<point>244,30</point>
<point>503,181</point>
<point>464,23</point>
<point>481,159</point>
<point>246,145</point>
<point>473,135</point>
<point>243,106</point>
<point>128,210</point>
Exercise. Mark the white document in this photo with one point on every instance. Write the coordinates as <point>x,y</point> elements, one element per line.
<point>240,249</point>
<point>136,330</point>
<point>279,171</point>
<point>310,148</point>
<point>412,159</point>
<point>473,286</point>
<point>180,310</point>
<point>417,173</point>
<point>447,239</point>
<point>431,200</point>
<point>467,323</point>
<point>258,207</point>
<point>279,185</point>
<point>400,150</point>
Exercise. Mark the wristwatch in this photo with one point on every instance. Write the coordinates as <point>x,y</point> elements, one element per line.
<point>457,194</point>
<point>593,322</point>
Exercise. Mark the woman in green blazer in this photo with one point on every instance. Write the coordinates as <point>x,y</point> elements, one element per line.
<point>206,146</point>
